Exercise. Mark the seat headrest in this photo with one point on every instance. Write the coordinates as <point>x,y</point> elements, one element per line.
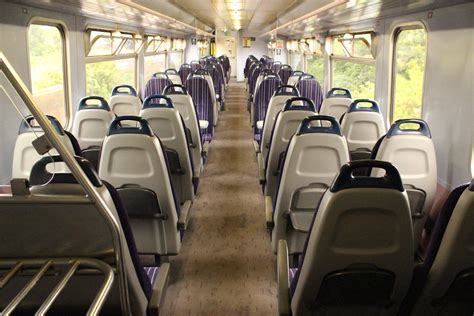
<point>27,126</point>
<point>171,71</point>
<point>160,74</point>
<point>346,180</point>
<point>396,128</point>
<point>339,93</point>
<point>306,127</point>
<point>117,128</point>
<point>285,66</point>
<point>93,103</point>
<point>297,73</point>
<point>194,62</point>
<point>283,90</point>
<point>307,76</point>
<point>277,62</point>
<point>39,174</point>
<point>185,66</point>
<point>124,89</point>
<point>175,89</point>
<point>148,104</point>
<point>201,71</point>
<point>364,105</point>
<point>308,104</point>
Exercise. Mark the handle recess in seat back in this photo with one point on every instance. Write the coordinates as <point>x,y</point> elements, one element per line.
<point>422,130</point>
<point>307,128</point>
<point>356,106</point>
<point>103,105</point>
<point>171,89</point>
<point>148,104</point>
<point>308,104</point>
<point>346,180</point>
<point>116,128</point>
<point>336,93</point>
<point>124,89</point>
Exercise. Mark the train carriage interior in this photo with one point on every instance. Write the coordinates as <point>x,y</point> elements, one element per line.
<point>236,157</point>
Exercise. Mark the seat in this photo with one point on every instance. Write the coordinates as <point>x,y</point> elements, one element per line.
<point>200,92</point>
<point>173,75</point>
<point>255,72</point>
<point>90,125</point>
<point>157,84</point>
<point>263,95</point>
<point>184,72</point>
<point>217,76</point>
<point>183,102</point>
<point>57,233</point>
<point>206,75</point>
<point>310,88</point>
<point>286,125</point>
<point>25,154</point>
<point>285,73</point>
<point>134,162</point>
<point>337,102</point>
<point>195,65</point>
<point>409,147</point>
<point>277,101</point>
<point>167,123</point>
<point>363,125</point>
<point>275,67</point>
<point>358,258</point>
<point>295,77</point>
<point>314,156</point>
<point>443,282</point>
<point>124,101</point>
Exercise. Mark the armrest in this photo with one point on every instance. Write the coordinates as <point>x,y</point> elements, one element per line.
<point>159,289</point>
<point>256,146</point>
<point>197,172</point>
<point>260,124</point>
<point>301,220</point>
<point>205,148</point>
<point>261,169</point>
<point>282,279</point>
<point>269,212</point>
<point>203,124</point>
<point>184,217</point>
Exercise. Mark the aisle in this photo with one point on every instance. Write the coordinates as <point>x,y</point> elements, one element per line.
<point>225,266</point>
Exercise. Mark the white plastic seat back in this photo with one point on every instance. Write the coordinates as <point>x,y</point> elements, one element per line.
<point>359,254</point>
<point>183,102</point>
<point>25,155</point>
<point>449,261</point>
<point>133,161</point>
<point>166,123</point>
<point>363,125</point>
<point>91,121</point>
<point>336,103</point>
<point>286,125</point>
<point>314,156</point>
<point>295,77</point>
<point>125,101</point>
<point>412,151</point>
<point>174,76</point>
<point>276,104</point>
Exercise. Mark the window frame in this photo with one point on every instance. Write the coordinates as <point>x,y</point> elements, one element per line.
<point>355,60</point>
<point>397,29</point>
<point>116,54</point>
<point>63,31</point>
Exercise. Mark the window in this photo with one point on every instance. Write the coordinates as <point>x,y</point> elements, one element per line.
<point>176,59</point>
<point>102,76</point>
<point>353,64</point>
<point>314,65</point>
<point>296,60</point>
<point>408,72</point>
<point>111,60</point>
<point>154,64</point>
<point>47,56</point>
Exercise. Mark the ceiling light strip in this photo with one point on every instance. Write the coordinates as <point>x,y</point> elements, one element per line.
<point>327,7</point>
<point>132,4</point>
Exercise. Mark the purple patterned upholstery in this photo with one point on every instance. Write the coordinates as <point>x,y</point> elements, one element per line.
<point>195,65</point>
<point>291,274</point>
<point>253,78</point>
<point>276,66</point>
<point>200,92</point>
<point>155,86</point>
<point>184,72</point>
<point>311,89</point>
<point>261,100</point>
<point>217,79</point>
<point>152,273</point>
<point>285,73</point>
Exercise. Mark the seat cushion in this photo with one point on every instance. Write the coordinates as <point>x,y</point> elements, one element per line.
<point>152,273</point>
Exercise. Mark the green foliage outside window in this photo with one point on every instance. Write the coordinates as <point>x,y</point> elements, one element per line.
<point>359,78</point>
<point>101,77</point>
<point>315,66</point>
<point>409,70</point>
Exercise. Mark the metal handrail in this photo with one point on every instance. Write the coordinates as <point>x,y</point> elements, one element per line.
<point>77,172</point>
<point>44,266</point>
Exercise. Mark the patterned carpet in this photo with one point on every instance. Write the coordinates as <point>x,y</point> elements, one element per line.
<point>226,266</point>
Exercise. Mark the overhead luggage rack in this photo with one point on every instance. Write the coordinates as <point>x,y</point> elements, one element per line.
<point>62,268</point>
